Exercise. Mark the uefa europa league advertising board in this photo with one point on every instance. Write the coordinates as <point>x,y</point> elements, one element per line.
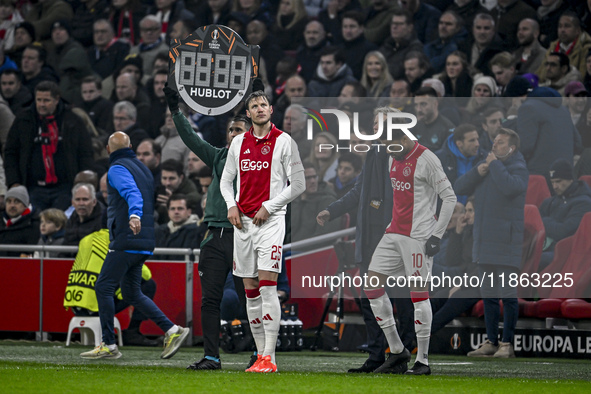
<point>212,69</point>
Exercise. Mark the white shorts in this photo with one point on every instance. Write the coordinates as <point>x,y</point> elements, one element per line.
<point>398,255</point>
<point>258,247</point>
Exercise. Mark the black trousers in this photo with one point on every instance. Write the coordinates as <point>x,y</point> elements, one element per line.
<point>215,262</point>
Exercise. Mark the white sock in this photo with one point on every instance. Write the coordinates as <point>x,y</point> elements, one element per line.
<point>112,347</point>
<point>173,330</point>
<point>382,310</point>
<point>271,318</point>
<point>254,311</point>
<point>423,319</point>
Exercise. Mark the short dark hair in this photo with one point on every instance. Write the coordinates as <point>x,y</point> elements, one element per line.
<point>93,79</point>
<point>574,16</point>
<point>421,57</point>
<point>178,197</point>
<point>352,158</point>
<point>339,55</point>
<point>203,172</point>
<point>358,89</point>
<point>12,71</point>
<point>513,137</point>
<point>461,131</point>
<point>562,58</point>
<point>308,164</point>
<point>48,86</point>
<point>156,148</point>
<point>241,118</point>
<point>357,16</point>
<point>426,91</point>
<point>405,13</point>
<point>255,95</point>
<point>35,46</point>
<point>173,165</point>
<point>491,110</point>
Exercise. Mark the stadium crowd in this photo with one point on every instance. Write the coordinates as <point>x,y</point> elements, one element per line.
<point>72,72</point>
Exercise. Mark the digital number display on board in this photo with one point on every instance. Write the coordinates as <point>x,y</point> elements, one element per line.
<point>212,69</point>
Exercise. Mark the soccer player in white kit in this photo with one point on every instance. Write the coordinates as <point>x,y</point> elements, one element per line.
<point>261,160</point>
<point>408,246</point>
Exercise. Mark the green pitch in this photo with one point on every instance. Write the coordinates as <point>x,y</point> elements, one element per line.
<point>54,368</point>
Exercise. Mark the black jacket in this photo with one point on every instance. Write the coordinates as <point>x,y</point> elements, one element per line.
<point>20,145</point>
<point>24,232</point>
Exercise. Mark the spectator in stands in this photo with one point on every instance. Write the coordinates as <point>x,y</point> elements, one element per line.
<point>467,10</point>
<point>125,16</point>
<point>530,54</point>
<point>432,128</point>
<point>257,33</point>
<point>43,14</point>
<point>323,157</point>
<point>563,212</point>
<point>94,104</point>
<point>183,28</point>
<point>576,100</point>
<point>155,86</point>
<point>151,43</point>
<point>315,198</point>
<point>209,12</point>
<point>331,74</point>
<point>183,230</point>
<point>416,69</point>
<point>460,153</point>
<point>84,17</point>
<point>572,41</point>
<point>33,67</point>
<point>451,32</point>
<point>425,18</point>
<point>502,66</point>
<point>401,41</point>
<point>107,53</point>
<point>456,77</point>
<point>170,141</point>
<point>559,72</point>
<point>294,123</point>
<point>174,182</point>
<point>355,45</point>
<point>24,34</point>
<point>36,157</point>
<point>376,78</point>
<point>150,153</point>
<point>10,16</point>
<point>52,230</point>
<point>499,185</point>
<point>295,86</point>
<point>518,89</point>
<point>484,45</point>
<point>68,59</point>
<point>352,92</point>
<point>347,173</point>
<point>193,167</point>
<point>168,12</point>
<point>6,119</point>
<point>290,23</point>
<point>546,130</point>
<point>125,119</point>
<point>483,89</point>
<point>377,23</point>
<point>308,54</point>
<point>16,95</point>
<point>127,88</point>
<point>492,120</point>
<point>400,96</point>
<point>20,224</point>
<point>87,215</point>
<point>549,15</point>
<point>508,14</point>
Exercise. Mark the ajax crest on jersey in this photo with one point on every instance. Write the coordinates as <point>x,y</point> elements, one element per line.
<point>212,69</point>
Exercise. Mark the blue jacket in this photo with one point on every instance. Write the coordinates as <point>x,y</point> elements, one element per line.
<point>131,192</point>
<point>546,131</point>
<point>563,214</point>
<point>372,198</point>
<point>455,164</point>
<point>498,205</point>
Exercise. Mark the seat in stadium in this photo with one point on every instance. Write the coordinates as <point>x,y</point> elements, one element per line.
<point>88,325</point>
<point>586,179</point>
<point>537,190</point>
<point>576,309</point>
<point>533,243</point>
<point>561,253</point>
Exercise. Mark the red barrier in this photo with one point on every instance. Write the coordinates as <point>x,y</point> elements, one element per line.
<point>19,292</point>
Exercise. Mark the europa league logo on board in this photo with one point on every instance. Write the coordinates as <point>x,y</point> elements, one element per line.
<point>212,69</point>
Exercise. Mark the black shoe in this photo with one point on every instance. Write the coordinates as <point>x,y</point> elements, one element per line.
<point>419,369</point>
<point>253,359</point>
<point>135,338</point>
<point>367,367</point>
<point>396,363</point>
<point>205,364</point>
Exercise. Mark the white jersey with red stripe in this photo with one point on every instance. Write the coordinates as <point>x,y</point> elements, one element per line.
<point>416,182</point>
<point>262,167</point>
